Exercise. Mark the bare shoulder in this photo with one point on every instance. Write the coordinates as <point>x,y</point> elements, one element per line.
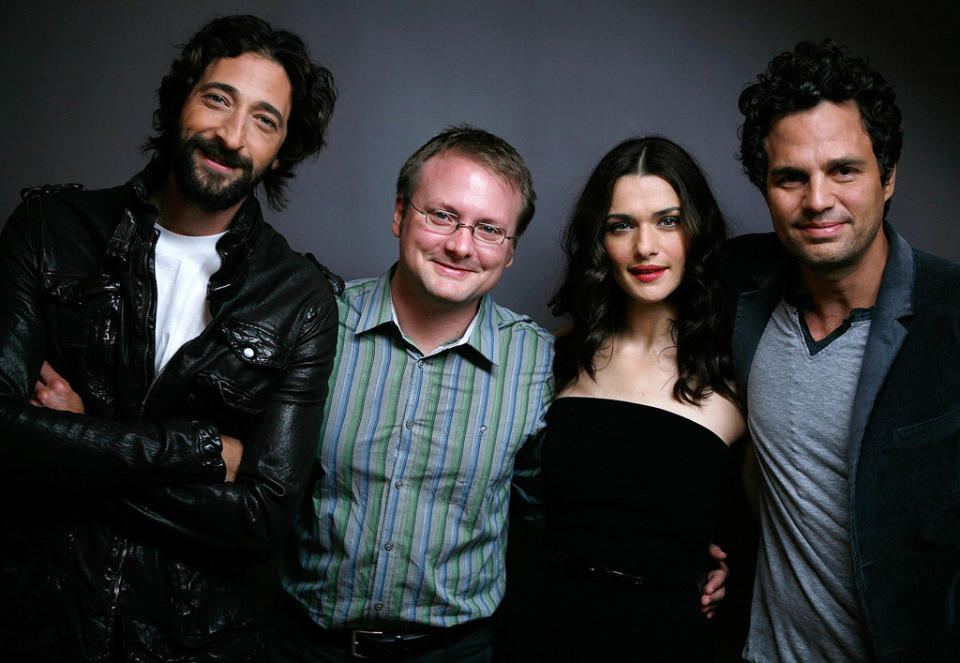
<point>722,416</point>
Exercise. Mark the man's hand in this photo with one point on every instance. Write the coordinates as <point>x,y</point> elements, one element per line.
<point>713,582</point>
<point>52,391</point>
<point>232,453</point>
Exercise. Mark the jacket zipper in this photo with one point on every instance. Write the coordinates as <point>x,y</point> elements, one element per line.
<point>150,296</point>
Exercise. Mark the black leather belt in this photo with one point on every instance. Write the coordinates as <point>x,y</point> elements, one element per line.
<point>381,645</point>
<point>604,574</point>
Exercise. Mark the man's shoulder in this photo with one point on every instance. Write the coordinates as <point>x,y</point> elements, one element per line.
<point>278,276</point>
<point>276,253</point>
<point>937,282</point>
<point>509,320</point>
<point>359,298</point>
<point>745,260</point>
<point>753,251</point>
<point>934,266</point>
<point>54,198</point>
<point>356,287</point>
<point>356,293</point>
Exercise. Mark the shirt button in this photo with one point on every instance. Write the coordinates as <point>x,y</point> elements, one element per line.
<point>398,484</point>
<point>248,352</point>
<point>409,423</point>
<point>420,363</point>
<point>388,546</point>
<point>483,429</point>
<point>378,606</point>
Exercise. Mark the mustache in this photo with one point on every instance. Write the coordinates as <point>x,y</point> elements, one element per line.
<point>213,149</point>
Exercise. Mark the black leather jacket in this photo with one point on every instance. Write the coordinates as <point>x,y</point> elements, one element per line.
<point>120,539</point>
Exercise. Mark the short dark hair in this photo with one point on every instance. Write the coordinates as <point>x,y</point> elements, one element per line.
<point>596,303</point>
<point>482,146</point>
<point>799,80</point>
<point>313,91</point>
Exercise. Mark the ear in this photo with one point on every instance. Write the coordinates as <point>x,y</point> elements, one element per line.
<point>398,208</point>
<point>510,251</point>
<point>890,184</point>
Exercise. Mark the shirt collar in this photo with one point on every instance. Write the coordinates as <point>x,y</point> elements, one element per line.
<point>377,310</point>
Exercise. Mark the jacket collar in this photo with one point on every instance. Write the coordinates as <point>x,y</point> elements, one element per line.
<point>235,247</point>
<point>377,310</point>
<point>887,334</point>
<point>896,287</point>
<point>755,306</point>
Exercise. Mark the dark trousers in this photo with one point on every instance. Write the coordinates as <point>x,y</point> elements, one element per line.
<point>292,637</point>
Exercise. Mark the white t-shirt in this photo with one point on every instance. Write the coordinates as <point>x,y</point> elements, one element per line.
<point>183,266</point>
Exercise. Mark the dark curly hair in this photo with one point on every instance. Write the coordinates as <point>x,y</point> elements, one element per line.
<point>799,80</point>
<point>313,92</point>
<point>596,304</point>
<point>482,146</point>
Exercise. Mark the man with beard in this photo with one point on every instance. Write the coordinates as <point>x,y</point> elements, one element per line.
<point>164,358</point>
<point>845,351</point>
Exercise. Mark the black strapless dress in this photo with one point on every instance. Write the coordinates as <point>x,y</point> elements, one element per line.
<point>633,495</point>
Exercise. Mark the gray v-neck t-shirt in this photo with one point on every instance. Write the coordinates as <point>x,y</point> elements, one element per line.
<point>800,399</point>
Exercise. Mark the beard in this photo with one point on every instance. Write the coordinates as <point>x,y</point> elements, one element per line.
<point>210,190</point>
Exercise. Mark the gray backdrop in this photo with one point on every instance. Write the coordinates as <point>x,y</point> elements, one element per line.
<point>562,81</point>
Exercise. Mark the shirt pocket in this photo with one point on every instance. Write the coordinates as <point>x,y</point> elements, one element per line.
<point>467,475</point>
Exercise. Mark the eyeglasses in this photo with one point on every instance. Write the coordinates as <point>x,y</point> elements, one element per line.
<point>447,223</point>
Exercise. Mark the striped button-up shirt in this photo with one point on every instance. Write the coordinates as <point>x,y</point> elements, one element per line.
<point>408,517</point>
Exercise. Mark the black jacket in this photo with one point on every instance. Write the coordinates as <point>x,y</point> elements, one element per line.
<point>120,539</point>
<point>904,457</point>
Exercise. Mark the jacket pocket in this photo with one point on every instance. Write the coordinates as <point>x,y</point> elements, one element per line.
<point>926,459</point>
<point>83,315</point>
<point>249,360</point>
<point>930,432</point>
<point>215,612</point>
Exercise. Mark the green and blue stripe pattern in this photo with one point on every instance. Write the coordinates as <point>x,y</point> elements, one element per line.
<point>407,520</point>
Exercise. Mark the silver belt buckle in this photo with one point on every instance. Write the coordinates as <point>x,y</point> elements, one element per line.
<point>354,632</point>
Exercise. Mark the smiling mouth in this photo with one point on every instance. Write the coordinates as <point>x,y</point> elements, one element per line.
<point>213,164</point>
<point>216,164</point>
<point>452,270</point>
<point>820,230</point>
<point>648,274</point>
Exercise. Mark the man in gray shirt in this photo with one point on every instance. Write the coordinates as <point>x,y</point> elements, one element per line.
<point>846,352</point>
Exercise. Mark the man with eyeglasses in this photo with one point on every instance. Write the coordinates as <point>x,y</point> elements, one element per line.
<point>399,548</point>
<point>436,396</point>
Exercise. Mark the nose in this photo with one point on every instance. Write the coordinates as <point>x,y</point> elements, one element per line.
<point>646,241</point>
<point>231,131</point>
<point>460,242</point>
<point>819,195</point>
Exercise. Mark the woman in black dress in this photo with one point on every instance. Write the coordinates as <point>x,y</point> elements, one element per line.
<point>635,456</point>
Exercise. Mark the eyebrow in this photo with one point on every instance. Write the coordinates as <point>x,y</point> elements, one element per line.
<point>669,210</point>
<point>845,161</point>
<point>663,212</point>
<point>260,105</point>
<point>787,170</point>
<point>450,209</point>
<point>831,165</point>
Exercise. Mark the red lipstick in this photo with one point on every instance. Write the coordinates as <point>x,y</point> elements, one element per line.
<point>648,273</point>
